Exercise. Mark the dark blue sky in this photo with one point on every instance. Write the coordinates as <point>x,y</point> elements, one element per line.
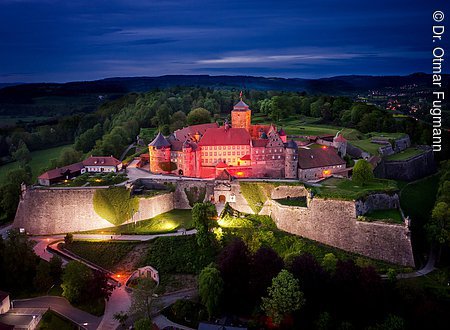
<point>51,40</point>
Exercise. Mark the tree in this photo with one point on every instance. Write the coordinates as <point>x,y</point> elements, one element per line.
<point>362,172</point>
<point>178,120</point>
<point>75,280</point>
<point>43,280</point>
<point>68,239</point>
<point>438,228</point>
<point>199,116</point>
<point>22,154</point>
<point>265,265</point>
<point>233,263</point>
<point>19,262</point>
<point>55,268</point>
<point>210,288</point>
<point>143,324</point>
<point>329,262</point>
<point>121,317</point>
<point>284,297</point>
<point>201,216</point>
<point>69,156</point>
<point>98,287</point>
<point>142,298</point>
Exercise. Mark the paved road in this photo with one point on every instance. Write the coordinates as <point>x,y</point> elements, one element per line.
<point>162,322</point>
<point>119,301</point>
<point>62,306</point>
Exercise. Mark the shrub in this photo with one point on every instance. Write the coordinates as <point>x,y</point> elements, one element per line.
<point>195,195</point>
<point>115,204</point>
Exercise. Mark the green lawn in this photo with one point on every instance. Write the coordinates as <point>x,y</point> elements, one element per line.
<point>163,223</point>
<point>390,215</point>
<point>97,179</point>
<point>103,253</point>
<point>366,145</point>
<point>348,190</point>
<point>405,154</point>
<point>40,159</point>
<point>53,321</point>
<point>300,201</point>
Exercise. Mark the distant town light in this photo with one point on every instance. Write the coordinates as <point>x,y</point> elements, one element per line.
<point>324,147</point>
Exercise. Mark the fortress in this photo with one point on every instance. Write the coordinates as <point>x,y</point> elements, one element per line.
<point>44,211</point>
<point>242,150</point>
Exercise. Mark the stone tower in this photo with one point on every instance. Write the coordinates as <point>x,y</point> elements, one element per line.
<point>241,116</point>
<point>340,143</point>
<point>291,160</point>
<point>159,151</point>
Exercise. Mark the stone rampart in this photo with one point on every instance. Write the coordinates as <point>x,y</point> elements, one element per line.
<point>334,222</point>
<point>376,202</point>
<point>408,170</point>
<point>45,211</point>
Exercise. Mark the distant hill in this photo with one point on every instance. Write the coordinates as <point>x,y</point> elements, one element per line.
<point>53,98</point>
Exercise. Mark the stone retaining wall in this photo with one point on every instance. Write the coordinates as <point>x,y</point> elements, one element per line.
<point>55,211</point>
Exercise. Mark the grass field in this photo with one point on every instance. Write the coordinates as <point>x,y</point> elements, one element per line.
<point>40,159</point>
<point>391,216</point>
<point>348,190</point>
<point>366,145</point>
<point>300,201</point>
<point>405,154</point>
<point>103,253</point>
<point>163,223</point>
<point>52,321</point>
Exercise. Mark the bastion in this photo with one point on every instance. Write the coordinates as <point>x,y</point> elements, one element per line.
<point>45,211</point>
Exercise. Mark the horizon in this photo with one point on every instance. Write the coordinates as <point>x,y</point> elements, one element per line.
<point>56,41</point>
<point>209,75</point>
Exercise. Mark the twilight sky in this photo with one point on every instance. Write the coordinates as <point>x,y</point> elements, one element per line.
<point>59,41</point>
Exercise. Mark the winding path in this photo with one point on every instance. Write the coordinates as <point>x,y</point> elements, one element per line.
<point>120,300</point>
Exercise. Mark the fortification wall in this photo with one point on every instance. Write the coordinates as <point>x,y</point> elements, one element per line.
<point>408,170</point>
<point>288,191</point>
<point>55,211</point>
<point>376,202</point>
<point>334,222</point>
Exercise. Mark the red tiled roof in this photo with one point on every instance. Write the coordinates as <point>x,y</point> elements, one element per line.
<point>224,175</point>
<point>255,130</point>
<point>59,172</point>
<point>220,136</point>
<point>312,158</point>
<point>187,132</point>
<point>104,161</point>
<point>221,165</point>
<point>259,143</point>
<point>340,138</point>
<point>246,157</point>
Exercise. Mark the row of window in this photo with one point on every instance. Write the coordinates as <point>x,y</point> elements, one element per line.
<point>225,147</point>
<point>230,153</point>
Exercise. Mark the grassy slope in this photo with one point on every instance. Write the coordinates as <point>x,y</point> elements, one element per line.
<point>105,254</point>
<point>406,154</point>
<point>163,223</point>
<point>348,190</point>
<point>40,159</point>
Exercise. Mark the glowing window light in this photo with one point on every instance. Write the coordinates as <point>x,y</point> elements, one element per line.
<point>326,172</point>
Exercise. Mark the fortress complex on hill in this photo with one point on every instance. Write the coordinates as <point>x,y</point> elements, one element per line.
<point>242,150</point>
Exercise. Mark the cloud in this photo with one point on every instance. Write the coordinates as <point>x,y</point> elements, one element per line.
<point>250,59</point>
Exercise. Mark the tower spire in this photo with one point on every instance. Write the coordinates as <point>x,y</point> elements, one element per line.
<point>240,95</point>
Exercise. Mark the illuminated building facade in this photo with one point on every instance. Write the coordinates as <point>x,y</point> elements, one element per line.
<point>242,149</point>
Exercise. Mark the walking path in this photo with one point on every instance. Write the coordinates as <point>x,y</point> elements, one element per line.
<point>162,322</point>
<point>119,300</point>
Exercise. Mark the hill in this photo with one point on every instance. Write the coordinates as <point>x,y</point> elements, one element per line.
<point>54,99</point>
